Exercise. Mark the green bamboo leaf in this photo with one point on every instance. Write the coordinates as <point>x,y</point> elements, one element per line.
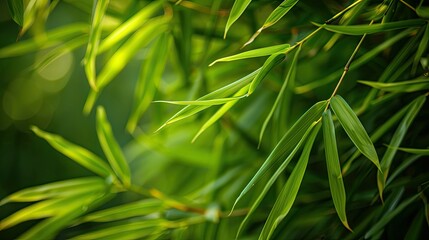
<point>388,217</point>
<point>422,11</point>
<point>219,113</point>
<point>134,209</point>
<point>219,93</point>
<point>354,129</point>
<point>288,194</point>
<point>271,62</point>
<point>286,145</point>
<point>149,78</point>
<point>98,13</point>
<point>111,148</point>
<point>126,230</point>
<point>131,25</point>
<point>236,11</point>
<point>209,102</point>
<point>48,228</point>
<point>33,11</point>
<point>290,77</point>
<point>424,152</point>
<point>422,48</point>
<point>55,190</point>
<point>76,153</point>
<point>335,177</point>
<point>396,140</point>
<point>374,28</point>
<point>260,52</point>
<point>279,12</point>
<point>123,55</point>
<point>404,86</point>
<point>52,38</point>
<point>16,10</point>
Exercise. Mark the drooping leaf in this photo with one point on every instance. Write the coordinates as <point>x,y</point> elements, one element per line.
<point>422,11</point>
<point>403,86</point>
<point>55,189</point>
<point>208,102</point>
<point>286,144</point>
<point>289,77</point>
<point>279,12</point>
<point>236,11</point>
<point>260,52</point>
<point>16,10</point>
<point>335,177</point>
<point>269,64</point>
<point>77,153</point>
<point>98,12</point>
<point>124,54</point>
<point>422,48</point>
<point>35,10</point>
<point>396,140</point>
<point>374,28</point>
<point>354,128</point>
<point>424,152</point>
<point>149,78</point>
<point>111,148</point>
<point>131,25</point>
<point>288,194</point>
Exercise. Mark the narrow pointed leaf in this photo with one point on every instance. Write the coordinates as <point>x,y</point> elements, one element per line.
<point>209,102</point>
<point>354,129</point>
<point>130,26</point>
<point>55,189</point>
<point>422,11</point>
<point>111,148</point>
<point>236,11</point>
<point>404,86</point>
<point>396,140</point>
<point>279,12</point>
<point>286,144</point>
<point>99,10</point>
<point>16,10</point>
<point>290,77</point>
<point>149,78</point>
<point>77,153</point>
<point>423,45</point>
<point>374,28</point>
<point>288,194</point>
<point>271,62</point>
<point>424,152</point>
<point>335,177</point>
<point>260,52</point>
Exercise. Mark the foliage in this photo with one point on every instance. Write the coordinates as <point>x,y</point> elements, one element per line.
<point>221,138</point>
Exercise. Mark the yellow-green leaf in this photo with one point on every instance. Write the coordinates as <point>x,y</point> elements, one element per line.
<point>271,62</point>
<point>404,86</point>
<point>16,9</point>
<point>236,11</point>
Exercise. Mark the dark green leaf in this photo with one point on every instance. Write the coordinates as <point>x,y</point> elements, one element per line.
<point>16,10</point>
<point>404,86</point>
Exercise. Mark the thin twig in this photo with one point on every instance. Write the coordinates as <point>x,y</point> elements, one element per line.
<point>408,5</point>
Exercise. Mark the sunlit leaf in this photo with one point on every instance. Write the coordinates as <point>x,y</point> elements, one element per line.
<point>269,64</point>
<point>335,177</point>
<point>288,194</point>
<point>35,10</point>
<point>260,52</point>
<point>99,10</point>
<point>111,148</point>
<point>236,11</point>
<point>396,140</point>
<point>78,154</point>
<point>354,128</point>
<point>55,189</point>
<point>16,10</point>
<point>403,86</point>
<point>286,144</point>
<point>374,28</point>
<point>149,78</point>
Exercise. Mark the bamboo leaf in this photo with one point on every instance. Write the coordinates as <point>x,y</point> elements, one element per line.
<point>134,209</point>
<point>422,48</point>
<point>354,129</point>
<point>290,77</point>
<point>374,28</point>
<point>279,12</point>
<point>271,62</point>
<point>55,190</point>
<point>335,177</point>
<point>396,140</point>
<point>286,144</point>
<point>424,152</point>
<point>236,11</point>
<point>98,12</point>
<point>209,102</point>
<point>16,10</point>
<point>124,54</point>
<point>111,148</point>
<point>288,194</point>
<point>260,52</point>
<point>404,86</point>
<point>52,38</point>
<point>149,78</point>
<point>76,153</point>
<point>422,11</point>
<point>131,25</point>
<point>34,10</point>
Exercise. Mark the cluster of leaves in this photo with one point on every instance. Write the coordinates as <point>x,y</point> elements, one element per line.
<point>373,53</point>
